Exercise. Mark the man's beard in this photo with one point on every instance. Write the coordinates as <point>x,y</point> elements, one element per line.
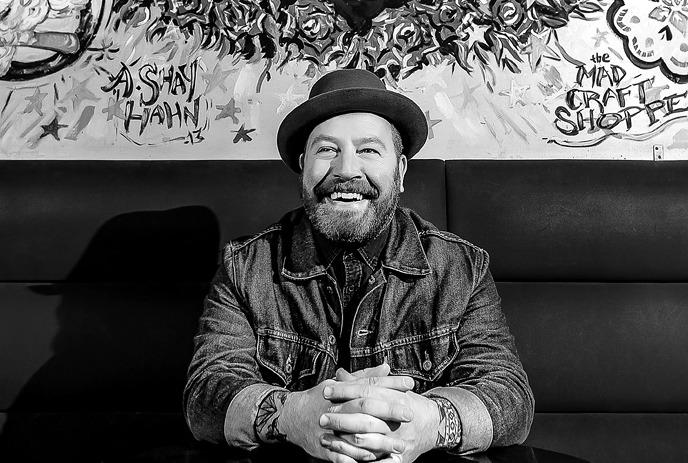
<point>345,228</point>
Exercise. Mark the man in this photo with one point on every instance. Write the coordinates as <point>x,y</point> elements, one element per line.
<point>353,328</point>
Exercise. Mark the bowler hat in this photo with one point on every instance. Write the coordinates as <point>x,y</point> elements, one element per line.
<point>347,91</point>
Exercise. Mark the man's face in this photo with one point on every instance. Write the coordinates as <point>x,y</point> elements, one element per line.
<point>351,177</point>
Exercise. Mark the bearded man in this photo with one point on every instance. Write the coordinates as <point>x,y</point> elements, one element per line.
<point>353,328</point>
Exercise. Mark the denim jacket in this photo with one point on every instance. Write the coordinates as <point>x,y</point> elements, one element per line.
<point>271,321</point>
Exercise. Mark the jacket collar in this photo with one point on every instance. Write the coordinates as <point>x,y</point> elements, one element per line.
<point>403,252</point>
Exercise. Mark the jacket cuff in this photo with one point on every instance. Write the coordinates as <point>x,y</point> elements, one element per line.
<point>241,415</point>
<point>476,422</point>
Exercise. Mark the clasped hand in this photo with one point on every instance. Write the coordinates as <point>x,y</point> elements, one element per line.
<point>377,417</point>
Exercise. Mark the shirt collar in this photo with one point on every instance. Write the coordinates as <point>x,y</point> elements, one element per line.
<point>399,248</point>
<point>369,253</point>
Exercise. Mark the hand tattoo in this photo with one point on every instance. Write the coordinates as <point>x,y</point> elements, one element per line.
<point>269,412</point>
<point>449,430</point>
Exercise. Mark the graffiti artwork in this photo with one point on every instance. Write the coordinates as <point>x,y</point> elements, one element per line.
<point>145,79</point>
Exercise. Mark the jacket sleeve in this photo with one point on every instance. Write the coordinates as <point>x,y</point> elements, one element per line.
<point>224,387</point>
<point>488,385</point>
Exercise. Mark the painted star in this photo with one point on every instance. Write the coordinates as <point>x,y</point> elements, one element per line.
<point>52,129</point>
<point>114,109</point>
<point>515,94</point>
<point>35,102</point>
<point>228,110</point>
<point>599,37</point>
<point>216,78</point>
<point>475,34</point>
<point>79,93</point>
<point>431,124</point>
<point>537,48</point>
<point>242,134</point>
<point>468,94</point>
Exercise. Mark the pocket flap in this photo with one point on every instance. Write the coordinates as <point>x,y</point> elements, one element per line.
<point>422,356</point>
<point>288,355</point>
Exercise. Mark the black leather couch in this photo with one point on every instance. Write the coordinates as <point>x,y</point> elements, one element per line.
<point>105,264</point>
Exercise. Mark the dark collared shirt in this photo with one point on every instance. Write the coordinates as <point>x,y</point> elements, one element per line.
<point>353,271</point>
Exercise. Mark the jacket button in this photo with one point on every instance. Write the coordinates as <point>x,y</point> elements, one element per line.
<point>427,365</point>
<point>332,340</point>
<point>371,280</point>
<point>329,290</point>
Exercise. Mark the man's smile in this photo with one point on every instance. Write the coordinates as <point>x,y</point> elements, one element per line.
<point>348,201</point>
<point>345,196</point>
<point>349,197</point>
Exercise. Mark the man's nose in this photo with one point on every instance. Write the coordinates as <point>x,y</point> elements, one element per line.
<point>347,164</point>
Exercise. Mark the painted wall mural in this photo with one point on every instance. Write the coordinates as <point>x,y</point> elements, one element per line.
<point>193,79</point>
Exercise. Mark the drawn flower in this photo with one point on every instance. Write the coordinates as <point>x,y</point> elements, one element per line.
<point>240,18</point>
<point>447,19</point>
<point>315,20</point>
<point>509,13</point>
<point>316,27</point>
<point>654,34</point>
<point>407,34</point>
<point>310,29</point>
<point>446,14</point>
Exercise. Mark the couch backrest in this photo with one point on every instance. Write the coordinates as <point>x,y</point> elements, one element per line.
<point>591,260</point>
<point>105,264</point>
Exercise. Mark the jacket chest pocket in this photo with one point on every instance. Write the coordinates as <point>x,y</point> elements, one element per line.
<point>427,357</point>
<point>290,360</point>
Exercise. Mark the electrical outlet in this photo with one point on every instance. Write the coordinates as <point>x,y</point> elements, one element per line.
<point>658,152</point>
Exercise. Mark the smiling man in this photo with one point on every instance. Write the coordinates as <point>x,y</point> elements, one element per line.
<point>353,328</point>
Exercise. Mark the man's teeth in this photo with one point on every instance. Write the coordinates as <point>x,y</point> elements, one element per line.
<point>346,196</point>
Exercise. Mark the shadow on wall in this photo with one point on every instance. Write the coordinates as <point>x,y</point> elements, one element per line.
<point>128,313</point>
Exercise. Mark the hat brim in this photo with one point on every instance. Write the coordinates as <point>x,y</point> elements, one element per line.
<point>398,109</point>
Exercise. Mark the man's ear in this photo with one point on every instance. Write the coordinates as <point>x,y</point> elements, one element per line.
<point>403,164</point>
<point>301,161</point>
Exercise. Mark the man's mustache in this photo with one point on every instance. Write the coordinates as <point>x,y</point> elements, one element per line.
<point>333,185</point>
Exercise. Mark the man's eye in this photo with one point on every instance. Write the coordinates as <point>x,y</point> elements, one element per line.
<point>326,152</point>
<point>368,151</point>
